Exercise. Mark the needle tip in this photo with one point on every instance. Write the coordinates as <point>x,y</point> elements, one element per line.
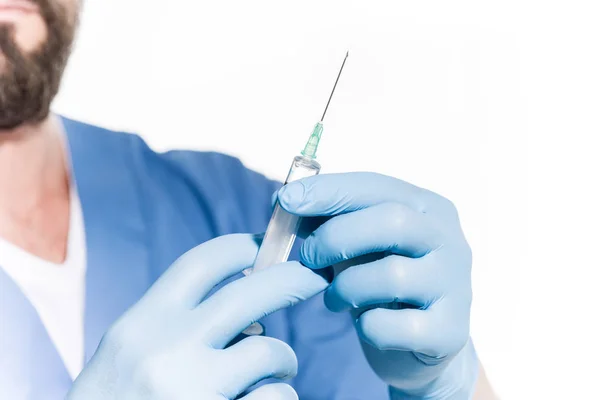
<point>334,86</point>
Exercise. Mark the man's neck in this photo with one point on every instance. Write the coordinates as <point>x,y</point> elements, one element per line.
<point>34,189</point>
<point>31,163</point>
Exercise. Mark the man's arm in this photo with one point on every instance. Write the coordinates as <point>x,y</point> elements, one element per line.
<point>483,390</point>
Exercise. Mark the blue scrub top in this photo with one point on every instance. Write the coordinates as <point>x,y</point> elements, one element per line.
<point>141,211</point>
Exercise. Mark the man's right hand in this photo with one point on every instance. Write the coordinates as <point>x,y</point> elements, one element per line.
<point>171,344</point>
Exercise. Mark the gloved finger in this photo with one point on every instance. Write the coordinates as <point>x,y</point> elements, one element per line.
<point>196,272</point>
<point>307,225</point>
<point>389,280</point>
<point>332,194</point>
<point>273,391</point>
<point>437,332</point>
<point>256,358</point>
<point>387,227</point>
<point>240,303</point>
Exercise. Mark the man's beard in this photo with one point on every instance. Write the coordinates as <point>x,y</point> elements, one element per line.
<point>30,81</point>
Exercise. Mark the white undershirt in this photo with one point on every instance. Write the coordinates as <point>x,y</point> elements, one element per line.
<point>57,291</point>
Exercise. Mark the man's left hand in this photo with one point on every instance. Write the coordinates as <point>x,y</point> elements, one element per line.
<point>411,295</point>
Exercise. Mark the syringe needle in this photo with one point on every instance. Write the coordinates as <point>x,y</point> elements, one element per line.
<point>334,86</point>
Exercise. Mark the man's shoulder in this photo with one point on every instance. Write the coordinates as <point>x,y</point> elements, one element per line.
<point>79,130</point>
<point>188,163</point>
<point>214,183</point>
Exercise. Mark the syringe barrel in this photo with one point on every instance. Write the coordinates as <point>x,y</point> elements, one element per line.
<point>283,226</point>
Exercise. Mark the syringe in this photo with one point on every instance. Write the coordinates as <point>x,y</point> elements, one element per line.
<point>283,226</point>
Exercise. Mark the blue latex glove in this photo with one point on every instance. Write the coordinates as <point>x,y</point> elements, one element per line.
<point>171,344</point>
<point>411,295</point>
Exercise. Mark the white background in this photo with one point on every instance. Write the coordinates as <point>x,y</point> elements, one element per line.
<point>492,104</point>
